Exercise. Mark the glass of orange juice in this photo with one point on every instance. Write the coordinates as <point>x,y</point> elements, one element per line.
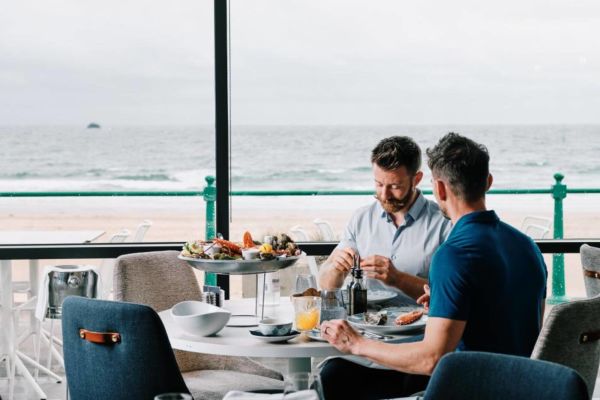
<point>307,312</point>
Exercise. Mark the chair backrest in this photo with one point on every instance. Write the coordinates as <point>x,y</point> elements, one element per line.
<point>139,366</point>
<point>489,376</point>
<point>119,237</point>
<point>590,262</point>
<point>536,227</point>
<point>326,230</point>
<point>570,336</point>
<point>107,264</point>
<point>160,280</point>
<point>157,279</point>
<point>141,231</point>
<point>299,234</point>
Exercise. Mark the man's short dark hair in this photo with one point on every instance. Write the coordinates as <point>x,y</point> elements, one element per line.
<point>395,152</point>
<point>462,163</point>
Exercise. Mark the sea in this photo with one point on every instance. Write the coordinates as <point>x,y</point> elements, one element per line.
<point>162,158</point>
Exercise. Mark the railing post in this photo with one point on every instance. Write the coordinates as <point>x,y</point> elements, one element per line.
<point>559,192</point>
<point>210,196</point>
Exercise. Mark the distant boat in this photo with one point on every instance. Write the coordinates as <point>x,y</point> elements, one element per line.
<point>92,125</point>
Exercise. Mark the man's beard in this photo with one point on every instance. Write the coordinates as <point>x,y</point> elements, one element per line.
<point>394,205</point>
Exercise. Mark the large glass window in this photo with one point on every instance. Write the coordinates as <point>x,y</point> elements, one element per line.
<point>316,84</point>
<point>106,96</point>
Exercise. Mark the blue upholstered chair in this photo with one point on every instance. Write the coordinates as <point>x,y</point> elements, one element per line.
<point>488,376</point>
<point>116,350</point>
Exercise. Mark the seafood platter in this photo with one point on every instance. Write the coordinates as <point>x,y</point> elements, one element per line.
<point>238,258</point>
<point>390,320</point>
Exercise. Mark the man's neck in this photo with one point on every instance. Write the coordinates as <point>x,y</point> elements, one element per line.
<point>460,209</point>
<point>399,216</point>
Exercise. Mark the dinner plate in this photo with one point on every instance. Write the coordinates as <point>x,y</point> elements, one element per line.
<point>240,267</point>
<point>379,296</point>
<point>390,327</point>
<point>273,338</point>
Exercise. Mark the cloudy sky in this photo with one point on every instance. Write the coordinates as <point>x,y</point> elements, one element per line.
<point>302,62</point>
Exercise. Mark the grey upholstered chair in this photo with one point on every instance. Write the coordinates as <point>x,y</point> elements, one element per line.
<point>571,336</point>
<point>160,280</point>
<point>590,262</point>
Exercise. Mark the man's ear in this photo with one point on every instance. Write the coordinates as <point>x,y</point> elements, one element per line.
<point>418,177</point>
<point>441,189</point>
<point>490,180</point>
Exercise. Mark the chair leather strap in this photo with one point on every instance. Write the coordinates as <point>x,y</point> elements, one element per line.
<point>100,337</point>
<point>587,337</point>
<point>591,274</point>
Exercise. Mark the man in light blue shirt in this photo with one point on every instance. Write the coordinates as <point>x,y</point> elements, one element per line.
<point>395,236</point>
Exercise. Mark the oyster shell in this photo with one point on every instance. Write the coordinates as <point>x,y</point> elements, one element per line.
<point>376,318</point>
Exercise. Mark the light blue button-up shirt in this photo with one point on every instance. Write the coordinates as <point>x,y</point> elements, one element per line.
<point>410,246</point>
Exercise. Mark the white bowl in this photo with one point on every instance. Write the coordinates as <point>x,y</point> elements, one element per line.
<point>275,327</point>
<point>250,254</point>
<point>198,318</point>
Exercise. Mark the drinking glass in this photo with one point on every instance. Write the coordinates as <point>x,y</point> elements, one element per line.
<point>296,381</point>
<point>304,281</point>
<point>332,305</point>
<point>307,312</point>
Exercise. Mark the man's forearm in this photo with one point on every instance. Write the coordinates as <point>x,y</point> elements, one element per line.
<point>413,358</point>
<point>330,278</point>
<point>410,284</point>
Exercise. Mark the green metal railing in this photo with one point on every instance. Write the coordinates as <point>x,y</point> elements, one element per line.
<point>558,191</point>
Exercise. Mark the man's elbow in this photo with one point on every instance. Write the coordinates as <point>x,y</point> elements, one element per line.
<point>429,363</point>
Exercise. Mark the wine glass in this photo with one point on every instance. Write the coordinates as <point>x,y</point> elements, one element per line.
<point>304,281</point>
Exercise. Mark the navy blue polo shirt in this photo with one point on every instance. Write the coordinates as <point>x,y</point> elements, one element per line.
<point>492,276</point>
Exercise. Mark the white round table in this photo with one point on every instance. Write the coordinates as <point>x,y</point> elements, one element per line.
<point>237,341</point>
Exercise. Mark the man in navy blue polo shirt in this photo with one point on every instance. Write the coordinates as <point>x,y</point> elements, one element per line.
<point>488,285</point>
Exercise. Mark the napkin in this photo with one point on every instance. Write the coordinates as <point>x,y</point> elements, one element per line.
<point>300,395</point>
<point>42,303</point>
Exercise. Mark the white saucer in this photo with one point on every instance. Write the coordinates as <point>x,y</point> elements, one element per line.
<point>315,334</point>
<point>273,339</point>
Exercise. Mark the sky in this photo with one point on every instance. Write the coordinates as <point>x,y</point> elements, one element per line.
<point>301,62</point>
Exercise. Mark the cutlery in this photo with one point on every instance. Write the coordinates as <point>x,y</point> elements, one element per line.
<point>373,335</point>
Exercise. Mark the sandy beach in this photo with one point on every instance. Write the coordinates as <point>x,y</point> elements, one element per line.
<point>183,218</point>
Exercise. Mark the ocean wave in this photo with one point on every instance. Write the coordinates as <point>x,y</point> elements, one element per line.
<point>147,177</point>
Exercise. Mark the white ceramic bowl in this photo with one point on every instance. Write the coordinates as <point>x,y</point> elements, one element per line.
<point>198,318</point>
<point>250,254</point>
<point>275,327</point>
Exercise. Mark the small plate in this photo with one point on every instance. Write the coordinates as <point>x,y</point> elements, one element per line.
<point>357,320</point>
<point>379,296</point>
<point>315,334</point>
<point>273,339</point>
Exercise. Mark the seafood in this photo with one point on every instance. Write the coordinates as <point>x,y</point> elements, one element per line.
<point>221,249</point>
<point>378,318</point>
<point>226,244</point>
<point>247,240</point>
<point>409,318</point>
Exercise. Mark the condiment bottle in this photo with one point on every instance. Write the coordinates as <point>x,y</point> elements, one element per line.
<point>357,290</point>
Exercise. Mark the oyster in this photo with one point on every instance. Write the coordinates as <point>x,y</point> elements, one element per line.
<point>376,318</point>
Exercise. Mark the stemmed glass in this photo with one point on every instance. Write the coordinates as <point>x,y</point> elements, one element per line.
<point>303,282</point>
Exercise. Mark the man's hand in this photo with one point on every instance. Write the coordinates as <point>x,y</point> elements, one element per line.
<point>341,335</point>
<point>381,268</point>
<point>425,298</point>
<point>342,259</point>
